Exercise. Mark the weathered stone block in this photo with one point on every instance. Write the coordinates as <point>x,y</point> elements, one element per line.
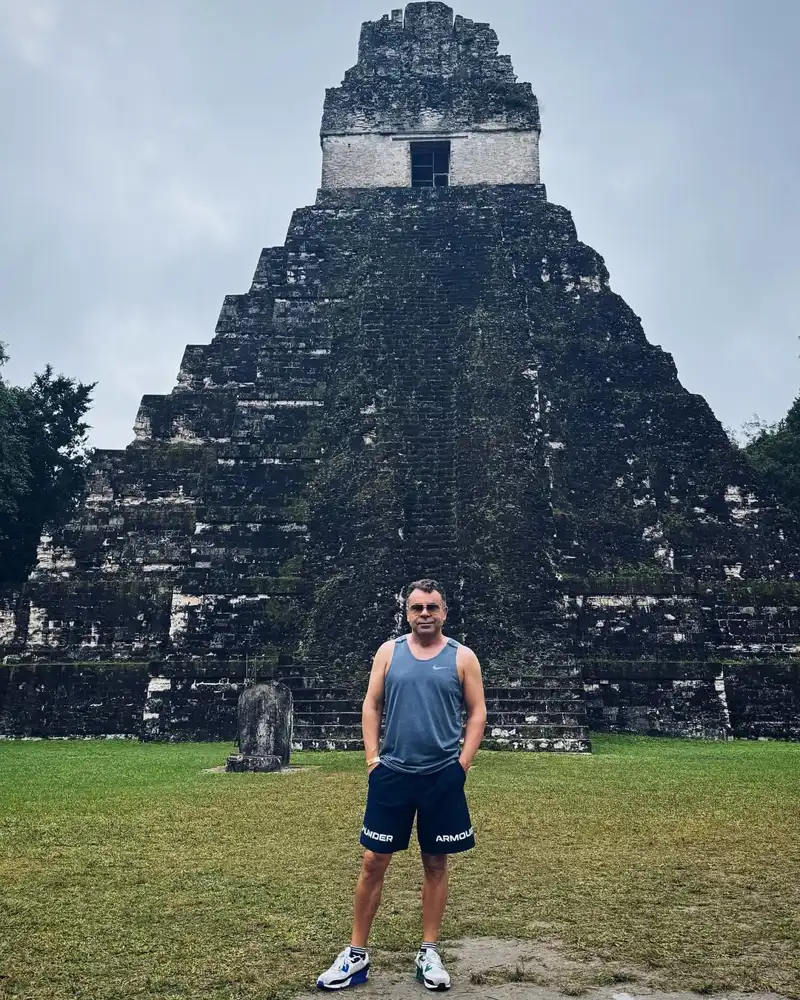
<point>97,700</point>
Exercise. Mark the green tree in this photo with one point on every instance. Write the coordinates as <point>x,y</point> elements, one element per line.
<point>15,472</point>
<point>43,463</point>
<point>774,449</point>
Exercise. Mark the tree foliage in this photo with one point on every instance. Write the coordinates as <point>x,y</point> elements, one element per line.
<point>774,449</point>
<point>43,462</point>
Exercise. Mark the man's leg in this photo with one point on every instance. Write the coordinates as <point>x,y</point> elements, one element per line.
<point>368,895</point>
<point>443,825</point>
<point>351,967</point>
<point>434,895</point>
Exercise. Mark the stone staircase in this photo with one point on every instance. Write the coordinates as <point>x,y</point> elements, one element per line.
<point>534,712</point>
<point>538,712</point>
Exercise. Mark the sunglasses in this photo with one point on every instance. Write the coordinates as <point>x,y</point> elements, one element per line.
<point>417,609</point>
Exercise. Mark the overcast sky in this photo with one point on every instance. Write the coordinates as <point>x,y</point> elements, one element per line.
<point>151,148</point>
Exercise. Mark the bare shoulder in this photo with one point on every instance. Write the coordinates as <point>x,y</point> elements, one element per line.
<point>377,676</point>
<point>385,652</point>
<point>466,658</point>
<point>469,673</point>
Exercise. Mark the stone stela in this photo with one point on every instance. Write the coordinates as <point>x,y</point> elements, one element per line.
<point>431,377</point>
<point>264,715</point>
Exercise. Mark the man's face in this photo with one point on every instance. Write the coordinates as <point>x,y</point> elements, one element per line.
<point>426,613</point>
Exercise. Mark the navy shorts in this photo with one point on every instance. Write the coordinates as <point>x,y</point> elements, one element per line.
<point>438,801</point>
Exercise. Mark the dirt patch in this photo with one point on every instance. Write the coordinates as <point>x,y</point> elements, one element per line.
<point>518,970</point>
<point>284,770</point>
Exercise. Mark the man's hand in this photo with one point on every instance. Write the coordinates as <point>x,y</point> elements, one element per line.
<point>465,764</point>
<point>372,767</point>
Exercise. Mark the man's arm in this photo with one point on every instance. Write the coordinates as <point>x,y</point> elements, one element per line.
<point>470,670</point>
<point>372,709</point>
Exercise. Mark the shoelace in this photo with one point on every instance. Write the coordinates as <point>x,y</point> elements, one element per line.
<point>433,958</point>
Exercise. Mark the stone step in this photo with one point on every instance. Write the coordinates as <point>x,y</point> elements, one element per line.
<point>527,674</point>
<point>340,743</point>
<point>535,732</point>
<point>432,528</point>
<point>551,744</point>
<point>553,658</point>
<point>546,690</point>
<point>435,545</point>
<point>428,518</point>
<point>323,718</point>
<point>327,731</point>
<point>442,546</point>
<point>308,689</point>
<point>552,703</point>
<point>559,744</point>
<point>343,730</point>
<point>309,678</point>
<point>537,690</point>
<point>532,687</point>
<point>512,720</point>
<point>769,728</point>
<point>567,677</point>
<point>521,717</point>
<point>305,706</point>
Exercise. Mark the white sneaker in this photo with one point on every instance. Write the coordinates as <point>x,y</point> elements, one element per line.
<point>347,970</point>
<point>430,970</point>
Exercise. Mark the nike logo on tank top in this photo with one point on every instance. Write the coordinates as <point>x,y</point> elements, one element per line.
<point>423,703</point>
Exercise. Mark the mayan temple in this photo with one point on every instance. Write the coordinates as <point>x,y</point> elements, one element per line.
<point>431,377</point>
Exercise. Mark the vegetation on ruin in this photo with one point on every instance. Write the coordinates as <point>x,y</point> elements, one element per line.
<point>128,870</point>
<point>774,449</point>
<point>43,462</point>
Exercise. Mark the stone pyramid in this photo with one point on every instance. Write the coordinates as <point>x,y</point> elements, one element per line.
<point>431,377</point>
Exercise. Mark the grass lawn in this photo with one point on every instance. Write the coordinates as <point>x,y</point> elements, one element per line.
<point>128,872</point>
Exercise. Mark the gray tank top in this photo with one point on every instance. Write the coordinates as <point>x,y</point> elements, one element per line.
<point>422,710</point>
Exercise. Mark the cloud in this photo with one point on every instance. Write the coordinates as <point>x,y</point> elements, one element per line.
<point>197,214</point>
<point>30,26</point>
<point>150,194</point>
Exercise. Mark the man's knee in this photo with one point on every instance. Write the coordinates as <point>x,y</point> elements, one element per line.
<point>374,865</point>
<point>435,866</point>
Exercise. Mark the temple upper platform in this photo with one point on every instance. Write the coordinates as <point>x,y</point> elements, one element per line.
<point>430,103</point>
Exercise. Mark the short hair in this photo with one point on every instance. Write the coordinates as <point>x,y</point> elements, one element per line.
<point>428,587</point>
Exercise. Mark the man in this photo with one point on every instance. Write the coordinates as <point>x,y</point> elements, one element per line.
<point>422,680</point>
